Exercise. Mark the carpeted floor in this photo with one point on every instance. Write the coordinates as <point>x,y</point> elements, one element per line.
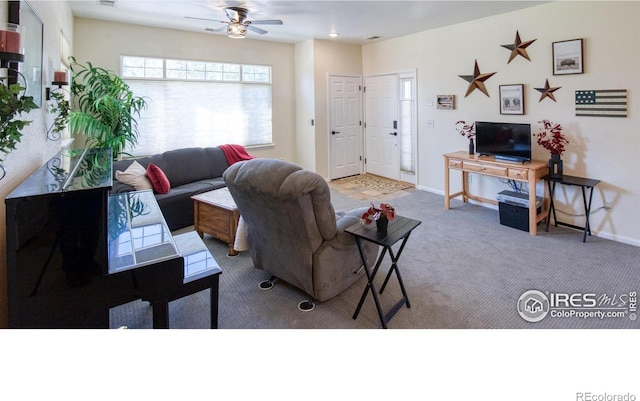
<point>461,268</point>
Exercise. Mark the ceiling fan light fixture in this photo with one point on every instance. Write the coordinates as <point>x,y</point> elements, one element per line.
<point>236,30</point>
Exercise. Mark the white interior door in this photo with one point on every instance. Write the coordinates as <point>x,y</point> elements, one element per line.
<point>381,126</point>
<point>345,128</point>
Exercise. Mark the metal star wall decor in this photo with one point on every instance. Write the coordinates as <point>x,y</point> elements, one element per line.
<point>547,91</point>
<point>476,81</point>
<point>519,48</point>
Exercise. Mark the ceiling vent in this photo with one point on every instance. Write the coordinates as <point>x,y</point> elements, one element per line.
<point>110,3</point>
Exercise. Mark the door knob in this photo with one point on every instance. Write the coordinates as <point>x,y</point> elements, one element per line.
<point>335,132</point>
<point>393,133</point>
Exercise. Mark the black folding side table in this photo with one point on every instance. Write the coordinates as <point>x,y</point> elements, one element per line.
<point>399,229</point>
<point>575,181</point>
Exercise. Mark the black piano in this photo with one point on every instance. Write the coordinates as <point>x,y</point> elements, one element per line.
<point>74,251</point>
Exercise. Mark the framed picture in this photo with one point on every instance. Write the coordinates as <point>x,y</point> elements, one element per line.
<point>568,57</point>
<point>446,102</point>
<point>512,99</point>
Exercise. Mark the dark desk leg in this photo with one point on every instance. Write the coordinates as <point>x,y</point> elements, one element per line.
<point>552,208</point>
<point>370,286</point>
<point>394,266</point>
<point>213,303</point>
<point>160,314</point>
<point>587,211</point>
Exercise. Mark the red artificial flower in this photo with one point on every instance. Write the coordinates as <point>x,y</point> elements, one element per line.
<point>550,137</point>
<point>468,130</point>
<point>374,213</point>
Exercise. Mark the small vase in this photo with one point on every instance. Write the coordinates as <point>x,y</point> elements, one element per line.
<point>382,223</point>
<point>471,146</point>
<point>555,167</point>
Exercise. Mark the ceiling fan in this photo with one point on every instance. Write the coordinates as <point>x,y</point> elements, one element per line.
<point>238,24</point>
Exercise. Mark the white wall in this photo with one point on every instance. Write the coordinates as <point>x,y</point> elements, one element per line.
<point>305,106</point>
<point>600,147</point>
<point>33,150</point>
<point>102,43</point>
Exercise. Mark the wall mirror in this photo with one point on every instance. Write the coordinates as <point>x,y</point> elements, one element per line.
<point>32,66</point>
<point>21,12</point>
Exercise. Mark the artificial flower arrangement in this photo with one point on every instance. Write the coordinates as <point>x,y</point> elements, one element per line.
<point>550,137</point>
<point>468,130</point>
<point>374,213</point>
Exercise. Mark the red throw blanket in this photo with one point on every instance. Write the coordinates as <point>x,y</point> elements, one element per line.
<point>235,153</point>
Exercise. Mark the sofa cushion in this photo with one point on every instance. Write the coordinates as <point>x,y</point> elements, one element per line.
<point>216,161</point>
<point>193,188</point>
<point>134,175</point>
<point>158,179</point>
<point>143,161</point>
<point>183,166</point>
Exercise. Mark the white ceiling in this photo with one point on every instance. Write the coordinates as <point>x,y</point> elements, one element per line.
<point>355,21</point>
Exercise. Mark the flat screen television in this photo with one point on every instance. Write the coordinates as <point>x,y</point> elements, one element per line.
<point>505,141</point>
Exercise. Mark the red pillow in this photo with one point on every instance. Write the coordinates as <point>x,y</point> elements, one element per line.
<point>159,180</point>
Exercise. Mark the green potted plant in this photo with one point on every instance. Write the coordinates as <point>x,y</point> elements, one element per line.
<point>60,106</point>
<point>13,103</point>
<point>105,109</point>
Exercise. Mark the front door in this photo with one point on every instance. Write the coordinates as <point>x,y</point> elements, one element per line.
<point>345,129</point>
<point>381,126</point>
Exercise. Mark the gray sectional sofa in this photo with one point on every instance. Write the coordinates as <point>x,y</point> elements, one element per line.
<point>190,171</point>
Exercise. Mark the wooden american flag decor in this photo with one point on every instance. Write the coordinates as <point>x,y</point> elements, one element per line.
<point>601,103</point>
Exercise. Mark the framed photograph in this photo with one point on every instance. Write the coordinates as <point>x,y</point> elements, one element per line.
<point>568,57</point>
<point>512,99</point>
<point>446,102</point>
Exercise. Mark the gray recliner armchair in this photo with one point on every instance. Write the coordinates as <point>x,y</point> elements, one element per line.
<point>293,231</point>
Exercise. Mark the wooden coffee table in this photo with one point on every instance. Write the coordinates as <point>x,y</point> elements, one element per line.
<point>215,213</point>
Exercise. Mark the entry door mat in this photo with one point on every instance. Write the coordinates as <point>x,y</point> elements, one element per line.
<point>374,182</point>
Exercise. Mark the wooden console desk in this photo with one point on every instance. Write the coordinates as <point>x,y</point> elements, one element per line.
<point>530,172</point>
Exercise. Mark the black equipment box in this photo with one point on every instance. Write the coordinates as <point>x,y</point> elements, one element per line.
<point>514,216</point>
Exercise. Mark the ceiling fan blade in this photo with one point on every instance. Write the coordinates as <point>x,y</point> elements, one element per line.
<point>267,22</point>
<point>257,30</point>
<point>222,28</point>
<point>207,19</point>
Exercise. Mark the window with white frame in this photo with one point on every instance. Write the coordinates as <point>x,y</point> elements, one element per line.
<point>199,103</point>
<point>406,132</point>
